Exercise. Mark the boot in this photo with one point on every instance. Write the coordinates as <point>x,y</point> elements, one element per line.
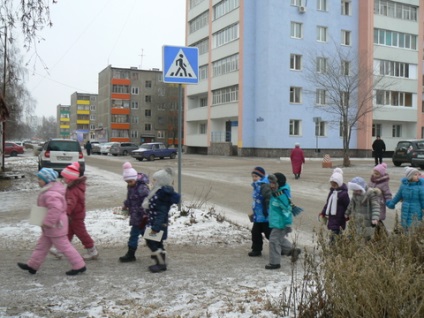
<point>129,257</point>
<point>25,267</point>
<point>74,272</point>
<point>91,254</point>
<point>160,265</point>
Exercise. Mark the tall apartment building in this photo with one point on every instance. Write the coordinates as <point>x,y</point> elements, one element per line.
<point>83,116</point>
<point>255,57</point>
<point>63,116</point>
<point>136,105</point>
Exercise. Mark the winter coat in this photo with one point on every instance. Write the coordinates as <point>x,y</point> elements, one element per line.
<point>364,208</point>
<point>135,197</point>
<point>297,159</point>
<point>75,198</point>
<point>52,197</point>
<point>280,211</point>
<point>412,196</point>
<point>159,205</point>
<point>261,194</point>
<point>337,221</point>
<point>379,146</point>
<point>382,183</point>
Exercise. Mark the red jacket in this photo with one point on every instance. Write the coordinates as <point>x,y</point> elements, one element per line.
<point>75,198</point>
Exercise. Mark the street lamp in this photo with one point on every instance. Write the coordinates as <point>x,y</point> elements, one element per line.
<point>316,120</point>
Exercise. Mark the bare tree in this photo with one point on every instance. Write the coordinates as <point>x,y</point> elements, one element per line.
<point>346,88</point>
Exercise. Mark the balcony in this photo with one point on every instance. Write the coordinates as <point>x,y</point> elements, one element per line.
<point>83,112</point>
<point>83,122</point>
<point>120,111</point>
<point>120,126</point>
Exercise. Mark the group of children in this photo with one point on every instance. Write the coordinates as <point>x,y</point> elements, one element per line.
<point>65,206</point>
<point>365,208</point>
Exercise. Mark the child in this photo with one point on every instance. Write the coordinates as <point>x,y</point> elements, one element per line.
<point>364,206</point>
<point>75,199</point>
<point>411,193</point>
<point>55,225</point>
<point>337,202</point>
<point>280,220</point>
<point>261,195</point>
<point>137,191</point>
<point>157,204</point>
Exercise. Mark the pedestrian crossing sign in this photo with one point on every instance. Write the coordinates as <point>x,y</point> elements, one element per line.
<point>180,64</point>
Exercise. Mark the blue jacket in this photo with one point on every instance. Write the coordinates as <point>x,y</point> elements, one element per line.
<point>280,211</point>
<point>260,200</point>
<point>412,196</point>
<point>135,197</point>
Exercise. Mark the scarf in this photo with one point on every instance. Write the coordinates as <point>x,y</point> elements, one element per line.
<point>332,203</point>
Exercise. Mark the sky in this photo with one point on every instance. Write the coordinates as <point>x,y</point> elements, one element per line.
<point>89,35</point>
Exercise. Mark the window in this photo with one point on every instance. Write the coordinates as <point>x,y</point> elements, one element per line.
<point>148,99</point>
<point>120,89</point>
<point>322,65</point>
<point>376,130</point>
<point>134,119</point>
<point>394,98</point>
<point>225,95</point>
<point>202,129</point>
<point>147,127</point>
<point>203,101</point>
<point>147,113</point>
<point>346,37</point>
<point>396,10</point>
<point>194,3</point>
<point>92,117</point>
<point>296,3</point>
<point>295,62</point>
<point>119,103</point>
<point>134,105</point>
<point>134,90</point>
<point>225,35</point>
<point>119,133</point>
<point>92,127</point>
<point>226,65</point>
<point>148,84</point>
<point>396,131</point>
<point>346,7</point>
<point>119,119</point>
<point>202,45</point>
<point>320,128</point>
<point>321,34</point>
<point>322,5</point>
<point>203,72</point>
<point>134,133</point>
<point>295,95</point>
<point>295,127</point>
<point>224,7</point>
<point>93,108</point>
<point>395,69</point>
<point>161,134</point>
<point>395,39</point>
<point>199,22</point>
<point>321,95</point>
<point>345,69</point>
<point>296,30</point>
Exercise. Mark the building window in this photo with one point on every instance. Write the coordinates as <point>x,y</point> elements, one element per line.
<point>147,113</point>
<point>199,22</point>
<point>202,129</point>
<point>376,130</point>
<point>226,65</point>
<point>93,108</point>
<point>202,45</point>
<point>194,3</point>
<point>394,98</point>
<point>134,105</point>
<point>119,119</point>
<point>296,30</point>
<point>322,65</point>
<point>92,127</point>
<point>120,133</point>
<point>395,39</point>
<point>321,34</point>
<point>345,69</point>
<point>296,3</point>
<point>223,7</point>
<point>148,84</point>
<point>395,69</point>
<point>346,7</point>
<point>203,101</point>
<point>134,133</point>
<point>161,134</point>
<point>225,95</point>
<point>295,62</point>
<point>321,95</point>
<point>346,37</point>
<point>295,95</point>
<point>92,117</point>
<point>147,127</point>
<point>148,99</point>
<point>120,89</point>
<point>396,10</point>
<point>119,103</point>
<point>295,127</point>
<point>134,76</point>
<point>134,119</point>
<point>396,131</point>
<point>203,72</point>
<point>226,35</point>
<point>320,128</point>
<point>134,90</point>
<point>322,5</point>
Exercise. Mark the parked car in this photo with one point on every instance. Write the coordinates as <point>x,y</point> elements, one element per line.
<point>153,150</point>
<point>12,149</point>
<point>104,148</point>
<point>122,148</point>
<point>95,148</point>
<point>418,155</point>
<point>59,153</point>
<point>407,150</point>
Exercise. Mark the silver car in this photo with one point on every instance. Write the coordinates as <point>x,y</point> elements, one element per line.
<point>104,148</point>
<point>122,148</point>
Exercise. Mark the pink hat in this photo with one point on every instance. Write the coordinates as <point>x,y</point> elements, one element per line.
<point>381,168</point>
<point>71,172</point>
<point>129,172</point>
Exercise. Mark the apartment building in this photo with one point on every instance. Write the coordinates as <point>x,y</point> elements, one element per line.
<point>136,105</point>
<point>256,59</point>
<point>63,116</point>
<point>83,116</point>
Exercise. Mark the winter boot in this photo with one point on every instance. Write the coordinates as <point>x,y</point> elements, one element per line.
<point>74,272</point>
<point>56,253</point>
<point>129,257</point>
<point>160,258</point>
<point>25,267</point>
<point>255,253</point>
<point>91,254</point>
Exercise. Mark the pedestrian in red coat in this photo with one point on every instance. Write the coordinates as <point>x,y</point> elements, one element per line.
<point>297,160</point>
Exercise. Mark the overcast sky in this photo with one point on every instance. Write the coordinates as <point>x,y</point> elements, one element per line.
<point>89,35</point>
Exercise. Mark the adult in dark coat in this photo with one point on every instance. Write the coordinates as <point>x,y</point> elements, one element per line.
<point>88,147</point>
<point>297,160</point>
<point>379,147</point>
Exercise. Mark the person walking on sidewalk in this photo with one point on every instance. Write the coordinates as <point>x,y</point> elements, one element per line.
<point>260,202</point>
<point>379,147</point>
<point>137,191</point>
<point>88,147</point>
<point>54,227</point>
<point>297,158</point>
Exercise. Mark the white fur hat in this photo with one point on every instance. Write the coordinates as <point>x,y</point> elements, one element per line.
<point>337,178</point>
<point>338,170</point>
<point>163,177</point>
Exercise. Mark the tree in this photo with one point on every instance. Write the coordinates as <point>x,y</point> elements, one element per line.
<point>346,88</point>
<point>47,130</point>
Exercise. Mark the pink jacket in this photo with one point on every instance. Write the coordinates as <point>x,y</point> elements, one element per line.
<point>52,196</point>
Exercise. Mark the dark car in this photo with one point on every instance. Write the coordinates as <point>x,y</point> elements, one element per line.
<point>407,151</point>
<point>60,153</point>
<point>153,150</point>
<point>122,148</point>
<point>12,149</point>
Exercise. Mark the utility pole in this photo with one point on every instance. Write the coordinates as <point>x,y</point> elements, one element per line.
<point>3,122</point>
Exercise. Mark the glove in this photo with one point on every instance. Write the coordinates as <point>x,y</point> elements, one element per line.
<point>322,219</point>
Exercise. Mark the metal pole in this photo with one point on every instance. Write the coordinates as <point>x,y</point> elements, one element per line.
<point>3,124</point>
<point>180,120</point>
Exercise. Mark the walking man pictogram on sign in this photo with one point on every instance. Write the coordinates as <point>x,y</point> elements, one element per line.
<point>181,67</point>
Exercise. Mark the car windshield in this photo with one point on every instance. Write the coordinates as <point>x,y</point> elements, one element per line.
<point>64,146</point>
<point>145,147</point>
<point>420,145</point>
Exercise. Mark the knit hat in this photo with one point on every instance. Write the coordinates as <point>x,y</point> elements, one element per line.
<point>338,170</point>
<point>357,183</point>
<point>129,172</point>
<point>71,172</point>
<point>259,171</point>
<point>410,172</point>
<point>163,177</point>
<point>277,178</point>
<point>381,168</point>
<point>47,175</point>
<point>337,178</point>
